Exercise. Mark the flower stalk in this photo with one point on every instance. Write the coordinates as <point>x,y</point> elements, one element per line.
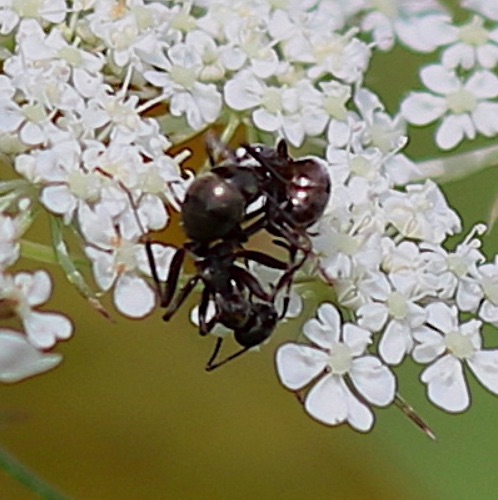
<point>28,478</point>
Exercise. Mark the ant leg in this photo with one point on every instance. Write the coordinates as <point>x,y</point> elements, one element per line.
<point>173,275</point>
<point>211,365</point>
<point>184,293</point>
<point>265,164</point>
<point>153,270</point>
<point>176,264</point>
<point>256,226</point>
<point>286,281</point>
<point>240,275</point>
<point>214,355</point>
<point>262,258</point>
<point>147,244</point>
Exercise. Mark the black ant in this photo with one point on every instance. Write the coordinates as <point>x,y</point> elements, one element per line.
<point>296,195</point>
<point>216,219</point>
<point>232,289</point>
<point>212,214</point>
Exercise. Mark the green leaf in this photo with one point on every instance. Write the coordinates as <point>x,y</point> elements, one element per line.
<point>69,266</point>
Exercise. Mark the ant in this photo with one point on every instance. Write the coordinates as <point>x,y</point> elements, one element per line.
<point>216,219</point>
<point>231,288</point>
<point>296,195</point>
<point>212,214</point>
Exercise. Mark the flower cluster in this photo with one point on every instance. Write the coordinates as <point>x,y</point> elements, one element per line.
<point>463,86</point>
<point>94,96</point>
<point>23,354</point>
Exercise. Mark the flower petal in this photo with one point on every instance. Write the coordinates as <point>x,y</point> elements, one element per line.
<point>374,380</point>
<point>44,329</point>
<point>484,364</point>
<point>360,416</point>
<point>133,297</point>
<point>485,117</point>
<point>326,329</point>
<point>453,129</point>
<point>243,92</point>
<point>446,385</point>
<point>442,317</point>
<point>327,401</point>
<point>356,338</point>
<point>421,108</point>
<point>298,365</point>
<point>19,359</point>
<point>483,84</point>
<point>265,120</point>
<point>395,343</point>
<point>36,287</point>
<point>439,79</point>
<point>430,345</point>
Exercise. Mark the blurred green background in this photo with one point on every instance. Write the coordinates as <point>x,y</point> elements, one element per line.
<point>131,414</point>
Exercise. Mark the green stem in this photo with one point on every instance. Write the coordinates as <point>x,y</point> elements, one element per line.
<point>231,127</point>
<point>27,478</point>
<point>38,252</point>
<point>45,253</point>
<point>457,166</point>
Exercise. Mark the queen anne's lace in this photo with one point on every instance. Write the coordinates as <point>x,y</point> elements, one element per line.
<point>93,97</point>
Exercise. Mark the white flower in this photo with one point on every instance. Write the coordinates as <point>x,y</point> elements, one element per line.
<point>473,45</point>
<point>128,28</point>
<point>343,56</point>
<point>30,122</point>
<point>397,313</point>
<point>449,345</point>
<point>488,281</point>
<point>10,231</point>
<point>248,46</point>
<point>421,213</point>
<point>420,25</point>
<point>343,249</point>
<point>20,294</point>
<point>337,358</point>
<point>51,51</point>
<point>407,259</point>
<point>456,273</point>
<point>20,360</point>
<point>358,288</point>
<point>179,78</point>
<point>11,11</point>
<point>464,107</point>
<point>119,117</point>
<point>485,7</point>
<point>368,131</point>
<point>120,261</point>
<point>295,111</point>
<point>292,25</point>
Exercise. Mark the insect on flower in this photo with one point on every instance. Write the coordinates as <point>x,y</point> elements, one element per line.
<point>218,221</point>
<point>297,192</point>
